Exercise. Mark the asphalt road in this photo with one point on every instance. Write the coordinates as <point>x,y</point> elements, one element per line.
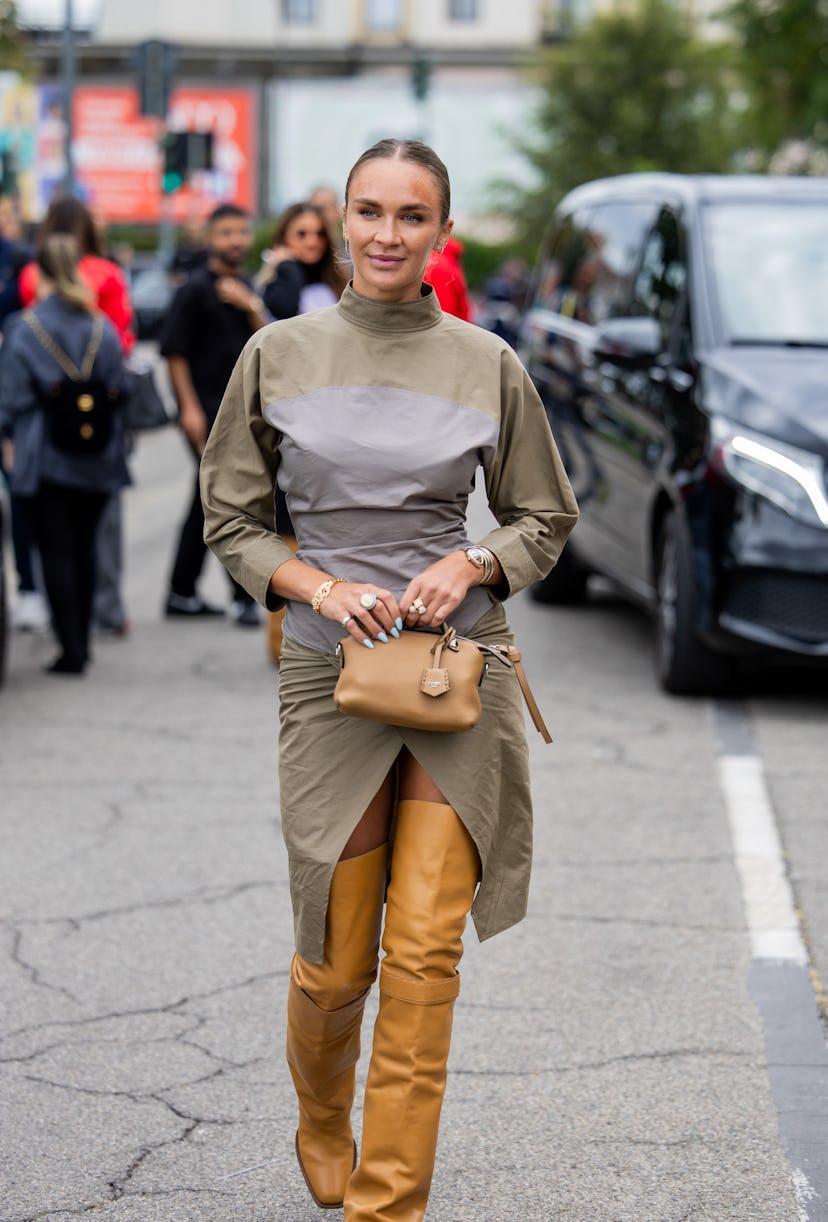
<point>646,1047</point>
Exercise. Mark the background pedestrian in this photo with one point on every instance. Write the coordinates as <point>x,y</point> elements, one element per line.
<point>211,318</point>
<point>302,272</point>
<point>107,283</point>
<point>66,491</point>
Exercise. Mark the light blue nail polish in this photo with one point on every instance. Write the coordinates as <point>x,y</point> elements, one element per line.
<point>398,622</point>
<point>368,644</point>
<point>394,632</point>
<point>382,637</point>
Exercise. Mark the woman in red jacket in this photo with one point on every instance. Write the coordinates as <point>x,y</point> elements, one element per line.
<point>103,277</point>
<point>445,274</point>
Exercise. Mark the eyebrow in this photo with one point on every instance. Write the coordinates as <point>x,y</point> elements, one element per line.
<point>403,208</point>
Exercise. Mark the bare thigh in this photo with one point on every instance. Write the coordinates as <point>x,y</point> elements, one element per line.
<point>407,779</point>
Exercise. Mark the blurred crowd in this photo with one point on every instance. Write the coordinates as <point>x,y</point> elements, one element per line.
<point>67,364</point>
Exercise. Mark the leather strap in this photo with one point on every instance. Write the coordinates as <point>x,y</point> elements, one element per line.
<point>511,656</point>
<point>57,354</point>
<point>534,711</point>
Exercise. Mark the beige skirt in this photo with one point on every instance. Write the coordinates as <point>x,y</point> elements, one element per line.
<point>331,766</point>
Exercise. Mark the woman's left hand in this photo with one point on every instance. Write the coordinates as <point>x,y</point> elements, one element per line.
<point>440,589</point>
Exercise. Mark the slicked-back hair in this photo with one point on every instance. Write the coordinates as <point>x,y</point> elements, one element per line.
<point>415,151</point>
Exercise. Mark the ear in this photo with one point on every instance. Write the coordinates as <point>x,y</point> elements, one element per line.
<point>443,236</point>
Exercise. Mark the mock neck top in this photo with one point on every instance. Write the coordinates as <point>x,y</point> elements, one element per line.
<point>372,418</point>
<point>395,317</point>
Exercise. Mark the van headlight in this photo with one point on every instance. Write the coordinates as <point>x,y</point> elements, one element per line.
<point>790,478</point>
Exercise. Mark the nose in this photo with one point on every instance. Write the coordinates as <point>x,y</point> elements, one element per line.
<point>387,230</point>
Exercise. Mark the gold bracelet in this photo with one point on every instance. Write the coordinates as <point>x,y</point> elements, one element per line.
<point>323,592</point>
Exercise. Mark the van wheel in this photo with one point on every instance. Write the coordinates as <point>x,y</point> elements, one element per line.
<point>685,666</point>
<point>565,586</point>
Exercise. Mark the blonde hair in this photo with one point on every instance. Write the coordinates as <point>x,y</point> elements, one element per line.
<point>57,260</point>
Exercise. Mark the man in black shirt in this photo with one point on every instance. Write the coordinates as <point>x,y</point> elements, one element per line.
<point>211,318</point>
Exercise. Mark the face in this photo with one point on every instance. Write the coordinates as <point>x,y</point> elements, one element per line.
<point>392,224</point>
<point>306,238</point>
<point>231,240</point>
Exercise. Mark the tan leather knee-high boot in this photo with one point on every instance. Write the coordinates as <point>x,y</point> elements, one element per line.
<point>325,1005</point>
<point>434,872</point>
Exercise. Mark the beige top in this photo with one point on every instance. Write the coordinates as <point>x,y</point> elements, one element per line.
<point>374,419</point>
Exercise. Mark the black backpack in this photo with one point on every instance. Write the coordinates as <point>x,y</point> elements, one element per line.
<point>80,409</point>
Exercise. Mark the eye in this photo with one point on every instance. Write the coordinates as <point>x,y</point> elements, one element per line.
<point>413,216</point>
<point>364,210</point>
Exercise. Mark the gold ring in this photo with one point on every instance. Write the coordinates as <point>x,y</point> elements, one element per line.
<point>368,600</point>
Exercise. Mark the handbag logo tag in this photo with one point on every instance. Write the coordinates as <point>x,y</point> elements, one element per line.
<point>435,681</point>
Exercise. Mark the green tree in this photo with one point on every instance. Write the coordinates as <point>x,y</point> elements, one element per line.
<point>12,46</point>
<point>634,89</point>
<point>783,62</point>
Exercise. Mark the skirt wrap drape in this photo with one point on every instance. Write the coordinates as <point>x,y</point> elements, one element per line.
<point>331,766</point>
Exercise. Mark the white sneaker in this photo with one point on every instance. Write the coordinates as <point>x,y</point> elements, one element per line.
<point>30,612</point>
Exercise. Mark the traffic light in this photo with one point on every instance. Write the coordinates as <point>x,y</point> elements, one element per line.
<point>421,77</point>
<point>155,61</point>
<point>175,161</point>
<point>183,153</point>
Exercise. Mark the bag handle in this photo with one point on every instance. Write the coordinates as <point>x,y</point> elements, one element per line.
<point>511,656</point>
<point>56,352</point>
<point>531,704</point>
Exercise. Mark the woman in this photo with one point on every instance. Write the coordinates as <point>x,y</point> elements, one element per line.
<point>103,278</point>
<point>108,286</point>
<point>374,416</point>
<point>302,272</point>
<point>65,491</point>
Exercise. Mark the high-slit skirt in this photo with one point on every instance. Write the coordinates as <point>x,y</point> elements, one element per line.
<point>331,766</point>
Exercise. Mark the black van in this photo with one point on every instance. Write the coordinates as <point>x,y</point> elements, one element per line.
<point>678,335</point>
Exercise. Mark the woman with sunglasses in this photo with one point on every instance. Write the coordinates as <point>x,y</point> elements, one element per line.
<point>301,273</point>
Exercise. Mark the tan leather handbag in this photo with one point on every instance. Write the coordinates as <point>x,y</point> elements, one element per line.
<point>423,680</point>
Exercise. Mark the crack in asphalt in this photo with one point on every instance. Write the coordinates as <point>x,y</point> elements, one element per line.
<point>172,1007</point>
<point>675,1054</point>
<point>214,894</point>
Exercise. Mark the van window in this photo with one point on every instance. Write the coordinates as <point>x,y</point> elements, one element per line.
<point>558,265</point>
<point>616,235</point>
<point>662,276</point>
<point>588,272</point>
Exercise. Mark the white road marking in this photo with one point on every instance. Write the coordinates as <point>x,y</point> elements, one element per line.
<point>766,893</point>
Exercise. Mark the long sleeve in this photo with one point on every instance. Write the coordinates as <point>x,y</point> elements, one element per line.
<point>18,390</point>
<point>281,294</point>
<point>238,479</point>
<point>527,487</point>
<point>113,301</point>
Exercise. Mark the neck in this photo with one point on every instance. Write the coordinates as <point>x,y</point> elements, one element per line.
<point>221,268</point>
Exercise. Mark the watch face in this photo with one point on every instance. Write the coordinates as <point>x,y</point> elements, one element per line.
<point>475,555</point>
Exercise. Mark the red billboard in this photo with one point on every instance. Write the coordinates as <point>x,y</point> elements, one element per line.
<point>117,153</point>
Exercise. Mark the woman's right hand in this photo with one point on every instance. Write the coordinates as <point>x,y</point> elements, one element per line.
<point>377,623</point>
<point>278,255</point>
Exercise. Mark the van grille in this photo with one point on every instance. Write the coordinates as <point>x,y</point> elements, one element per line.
<point>788,603</point>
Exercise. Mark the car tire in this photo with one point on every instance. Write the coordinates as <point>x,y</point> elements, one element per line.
<point>565,586</point>
<point>684,664</point>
